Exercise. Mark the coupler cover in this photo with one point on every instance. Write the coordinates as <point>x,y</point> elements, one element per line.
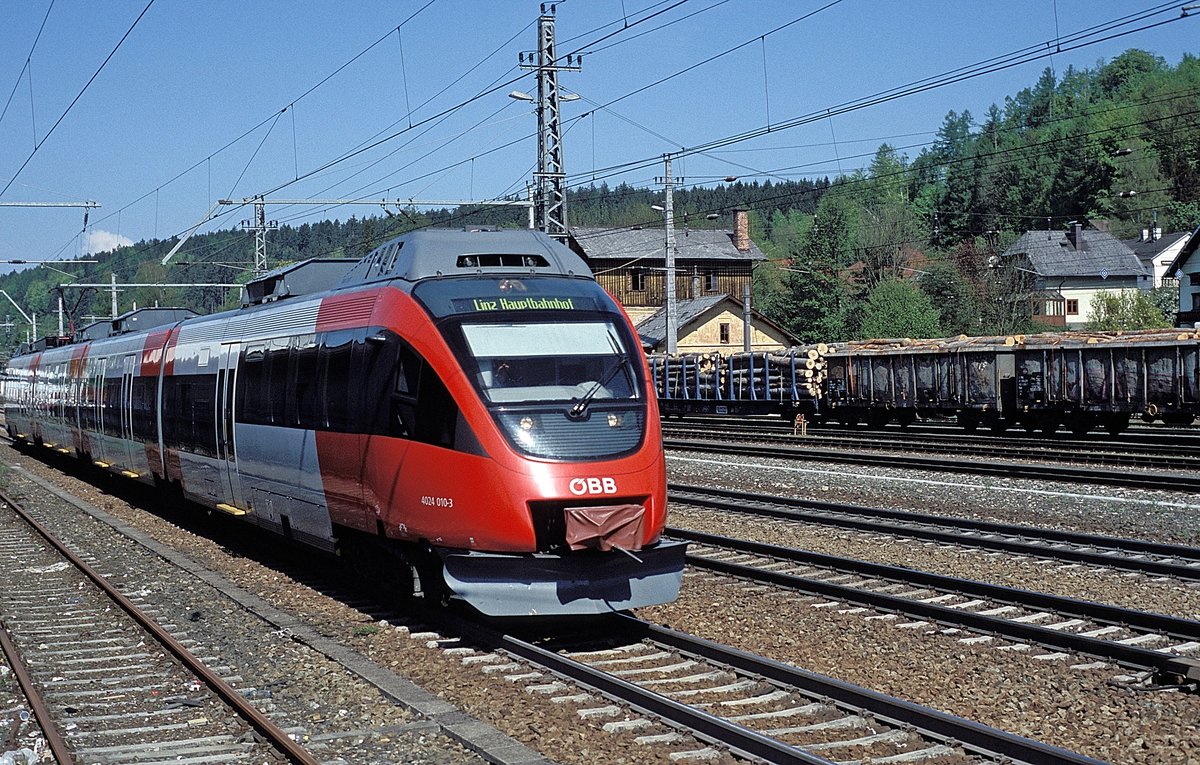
<point>588,581</point>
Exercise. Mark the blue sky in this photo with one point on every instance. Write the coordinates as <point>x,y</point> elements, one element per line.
<point>193,76</point>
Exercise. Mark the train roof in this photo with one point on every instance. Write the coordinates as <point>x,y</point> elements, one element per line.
<point>438,253</point>
<point>304,278</point>
<point>134,321</point>
<point>412,257</point>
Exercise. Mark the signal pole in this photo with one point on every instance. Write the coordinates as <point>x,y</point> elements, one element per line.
<point>550,208</point>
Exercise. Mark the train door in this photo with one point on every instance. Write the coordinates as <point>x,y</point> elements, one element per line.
<point>231,481</point>
<point>93,409</point>
<point>125,410</point>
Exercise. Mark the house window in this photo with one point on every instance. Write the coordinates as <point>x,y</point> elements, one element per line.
<point>710,281</point>
<point>637,280</point>
<point>1072,307</point>
<point>724,333</point>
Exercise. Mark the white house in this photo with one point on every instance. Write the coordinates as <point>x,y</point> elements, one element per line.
<point>1071,268</point>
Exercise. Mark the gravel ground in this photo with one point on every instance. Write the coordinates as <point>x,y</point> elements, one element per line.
<point>1164,516</point>
<point>1076,709</point>
<point>1168,596</point>
<point>554,729</point>
<point>1046,700</point>
<point>22,739</point>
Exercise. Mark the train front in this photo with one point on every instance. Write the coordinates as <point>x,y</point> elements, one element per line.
<point>569,505</point>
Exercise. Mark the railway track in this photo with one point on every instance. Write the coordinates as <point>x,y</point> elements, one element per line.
<point>108,684</point>
<point>675,689</point>
<point>1173,437</point>
<point>1166,646</point>
<point>697,696</point>
<point>1181,481</point>
<point>1145,557</point>
<point>759,707</point>
<point>1117,454</point>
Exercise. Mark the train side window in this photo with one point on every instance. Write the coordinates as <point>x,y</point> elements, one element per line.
<point>204,414</point>
<point>402,416</point>
<point>437,414</point>
<point>112,406</point>
<point>252,386</point>
<point>303,401</point>
<point>144,392</point>
<point>276,393</point>
<point>336,394</point>
<point>189,413</point>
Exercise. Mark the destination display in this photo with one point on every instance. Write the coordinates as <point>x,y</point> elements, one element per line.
<point>479,304</point>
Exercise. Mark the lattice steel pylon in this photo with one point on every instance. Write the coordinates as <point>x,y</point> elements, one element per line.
<point>550,206</point>
<point>260,226</point>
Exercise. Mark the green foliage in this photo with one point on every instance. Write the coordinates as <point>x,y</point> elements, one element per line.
<point>1056,148</point>
<point>1126,309</point>
<point>1166,300</point>
<point>898,308</point>
<point>956,299</point>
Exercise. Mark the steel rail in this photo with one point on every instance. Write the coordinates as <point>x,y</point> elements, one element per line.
<point>912,524</point>
<point>58,745</point>
<point>1092,453</point>
<point>933,724</point>
<point>1137,435</point>
<point>1043,472</point>
<point>1126,655</point>
<point>740,739</point>
<point>939,725</point>
<point>263,724</point>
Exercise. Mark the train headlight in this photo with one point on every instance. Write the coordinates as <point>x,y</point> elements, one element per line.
<point>614,420</point>
<point>527,424</point>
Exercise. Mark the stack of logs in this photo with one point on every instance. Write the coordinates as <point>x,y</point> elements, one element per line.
<point>781,375</point>
<point>800,371</point>
<point>1043,340</point>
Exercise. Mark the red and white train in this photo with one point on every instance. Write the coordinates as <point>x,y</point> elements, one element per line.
<point>462,412</point>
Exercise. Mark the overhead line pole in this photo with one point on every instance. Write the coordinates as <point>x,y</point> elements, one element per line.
<point>550,211</point>
<point>669,215</point>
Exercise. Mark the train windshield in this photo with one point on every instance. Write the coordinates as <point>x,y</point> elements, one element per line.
<point>550,361</point>
<point>552,358</point>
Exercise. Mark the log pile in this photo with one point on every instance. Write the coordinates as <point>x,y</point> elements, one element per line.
<point>783,375</point>
<point>801,372</point>
<point>1043,340</point>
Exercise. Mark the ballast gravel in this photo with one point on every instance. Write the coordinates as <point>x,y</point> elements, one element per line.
<point>555,729</point>
<point>997,683</point>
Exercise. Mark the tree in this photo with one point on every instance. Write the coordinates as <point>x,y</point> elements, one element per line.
<point>1125,309</point>
<point>955,298</point>
<point>897,308</point>
<point>813,300</point>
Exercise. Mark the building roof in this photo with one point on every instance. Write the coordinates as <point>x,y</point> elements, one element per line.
<point>1149,249</point>
<point>634,244</point>
<point>652,330</point>
<point>1054,254</point>
<point>1185,254</point>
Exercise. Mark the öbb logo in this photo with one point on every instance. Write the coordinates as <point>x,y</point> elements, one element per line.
<point>581,486</point>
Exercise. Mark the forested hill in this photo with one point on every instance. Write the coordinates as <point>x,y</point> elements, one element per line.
<point>225,256</point>
<point>900,247</point>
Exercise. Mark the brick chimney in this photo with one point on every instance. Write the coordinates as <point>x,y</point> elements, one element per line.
<point>741,229</point>
<point>1075,235</point>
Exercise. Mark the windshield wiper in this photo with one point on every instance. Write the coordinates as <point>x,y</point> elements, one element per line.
<point>579,409</point>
